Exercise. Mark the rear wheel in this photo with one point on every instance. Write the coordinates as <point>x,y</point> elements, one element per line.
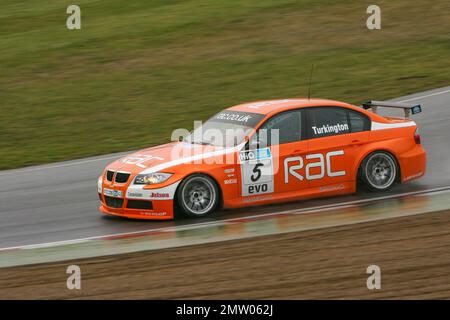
<point>379,171</point>
<point>197,196</point>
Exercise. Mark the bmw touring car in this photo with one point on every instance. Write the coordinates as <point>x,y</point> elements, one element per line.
<point>267,152</point>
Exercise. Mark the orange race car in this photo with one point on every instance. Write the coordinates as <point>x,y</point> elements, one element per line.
<point>266,152</point>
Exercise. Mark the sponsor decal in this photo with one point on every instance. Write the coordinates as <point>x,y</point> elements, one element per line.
<point>293,165</point>
<point>159,195</point>
<point>112,193</point>
<point>254,199</point>
<point>331,188</point>
<point>230,170</point>
<point>135,195</point>
<point>140,159</point>
<point>138,191</point>
<point>230,181</point>
<point>154,213</point>
<point>258,154</point>
<point>248,119</point>
<point>417,175</point>
<point>234,117</point>
<point>325,129</point>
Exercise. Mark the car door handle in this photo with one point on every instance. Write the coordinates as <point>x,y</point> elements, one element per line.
<point>295,152</point>
<point>357,142</point>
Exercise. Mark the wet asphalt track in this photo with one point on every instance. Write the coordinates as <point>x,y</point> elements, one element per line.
<point>59,201</point>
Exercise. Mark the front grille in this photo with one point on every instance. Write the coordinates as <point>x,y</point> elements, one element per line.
<point>122,177</point>
<point>114,202</point>
<point>139,204</point>
<point>109,175</point>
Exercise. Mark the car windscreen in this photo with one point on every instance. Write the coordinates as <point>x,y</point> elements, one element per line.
<point>225,129</point>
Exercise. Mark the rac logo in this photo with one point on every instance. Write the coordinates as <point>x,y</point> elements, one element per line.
<point>293,165</point>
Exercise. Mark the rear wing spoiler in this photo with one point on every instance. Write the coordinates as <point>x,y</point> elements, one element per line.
<point>407,108</point>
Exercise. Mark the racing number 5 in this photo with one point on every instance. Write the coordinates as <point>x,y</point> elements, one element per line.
<point>256,172</point>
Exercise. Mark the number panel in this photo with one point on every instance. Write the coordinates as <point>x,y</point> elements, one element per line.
<point>257,173</point>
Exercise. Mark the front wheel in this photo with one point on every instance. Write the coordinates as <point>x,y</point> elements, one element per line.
<point>197,196</point>
<point>379,171</point>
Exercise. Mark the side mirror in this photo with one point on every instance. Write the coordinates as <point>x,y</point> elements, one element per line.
<point>178,139</point>
<point>253,144</point>
<point>179,135</point>
<point>258,143</point>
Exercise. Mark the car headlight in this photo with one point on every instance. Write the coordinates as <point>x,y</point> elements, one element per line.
<point>152,178</point>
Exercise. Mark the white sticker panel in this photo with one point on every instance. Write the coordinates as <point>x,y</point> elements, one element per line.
<point>257,172</point>
<point>112,193</point>
<point>165,193</point>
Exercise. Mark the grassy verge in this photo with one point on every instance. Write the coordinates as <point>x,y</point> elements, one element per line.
<point>136,71</point>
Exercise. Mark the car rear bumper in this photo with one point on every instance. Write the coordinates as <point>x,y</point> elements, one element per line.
<point>413,164</point>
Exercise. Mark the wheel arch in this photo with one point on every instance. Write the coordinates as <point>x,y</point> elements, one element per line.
<point>368,153</point>
<point>220,204</point>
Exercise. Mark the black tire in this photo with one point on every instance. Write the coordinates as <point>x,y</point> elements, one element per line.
<point>378,172</point>
<point>197,196</point>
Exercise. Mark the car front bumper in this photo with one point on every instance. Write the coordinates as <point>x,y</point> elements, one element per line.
<point>161,210</point>
<point>137,202</point>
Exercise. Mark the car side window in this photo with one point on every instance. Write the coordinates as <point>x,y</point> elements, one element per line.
<point>327,121</point>
<point>287,125</point>
<point>358,121</point>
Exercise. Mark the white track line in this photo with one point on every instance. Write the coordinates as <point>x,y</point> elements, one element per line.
<point>25,170</point>
<point>231,220</point>
<point>425,96</point>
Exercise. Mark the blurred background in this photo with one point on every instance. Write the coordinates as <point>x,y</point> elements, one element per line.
<point>139,69</point>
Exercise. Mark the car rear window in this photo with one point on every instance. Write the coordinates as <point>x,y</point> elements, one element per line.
<point>330,121</point>
<point>358,121</point>
<point>324,122</point>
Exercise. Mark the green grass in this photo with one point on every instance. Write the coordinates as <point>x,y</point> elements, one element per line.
<point>139,69</point>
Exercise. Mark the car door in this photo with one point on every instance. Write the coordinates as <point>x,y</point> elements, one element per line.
<point>336,136</point>
<point>282,134</point>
